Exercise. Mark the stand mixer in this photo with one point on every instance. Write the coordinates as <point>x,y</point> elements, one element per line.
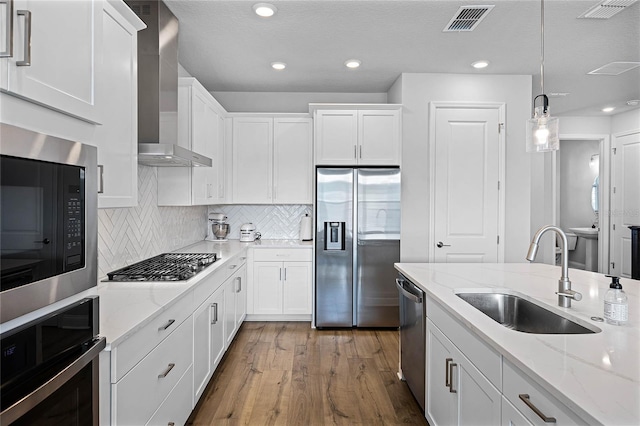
<point>218,228</point>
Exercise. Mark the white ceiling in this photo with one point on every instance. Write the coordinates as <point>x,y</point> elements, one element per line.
<point>229,48</point>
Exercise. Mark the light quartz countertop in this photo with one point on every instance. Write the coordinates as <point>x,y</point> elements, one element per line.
<point>595,375</point>
<point>125,307</point>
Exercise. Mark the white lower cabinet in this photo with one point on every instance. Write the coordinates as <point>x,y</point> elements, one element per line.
<point>235,303</point>
<point>469,383</point>
<point>176,408</point>
<point>457,393</point>
<point>159,373</point>
<point>280,283</point>
<point>208,340</point>
<point>536,404</point>
<point>141,391</point>
<point>511,416</point>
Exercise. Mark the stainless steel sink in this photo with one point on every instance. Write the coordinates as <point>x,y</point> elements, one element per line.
<point>517,313</point>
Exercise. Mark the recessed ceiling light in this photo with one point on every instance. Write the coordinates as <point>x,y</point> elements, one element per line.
<point>264,9</point>
<point>608,109</point>
<point>352,63</point>
<point>278,65</point>
<point>633,102</point>
<point>480,64</point>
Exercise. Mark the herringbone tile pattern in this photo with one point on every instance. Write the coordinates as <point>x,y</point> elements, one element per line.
<point>128,235</point>
<point>274,222</point>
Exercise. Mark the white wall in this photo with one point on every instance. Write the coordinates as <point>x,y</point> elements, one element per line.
<point>626,121</point>
<point>289,101</point>
<point>415,91</point>
<point>585,125</point>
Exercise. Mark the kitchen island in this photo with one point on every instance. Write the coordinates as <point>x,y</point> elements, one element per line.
<point>596,376</point>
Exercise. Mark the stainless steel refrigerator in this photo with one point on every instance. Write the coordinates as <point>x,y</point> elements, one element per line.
<point>357,243</point>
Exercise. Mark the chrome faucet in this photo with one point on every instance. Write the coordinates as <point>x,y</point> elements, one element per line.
<point>565,294</point>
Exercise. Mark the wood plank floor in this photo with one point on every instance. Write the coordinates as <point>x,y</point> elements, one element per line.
<point>286,373</point>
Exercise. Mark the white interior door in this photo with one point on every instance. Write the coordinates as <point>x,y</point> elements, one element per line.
<point>466,209</point>
<point>625,200</point>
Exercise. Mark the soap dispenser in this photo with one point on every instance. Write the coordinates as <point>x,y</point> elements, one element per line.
<point>616,307</point>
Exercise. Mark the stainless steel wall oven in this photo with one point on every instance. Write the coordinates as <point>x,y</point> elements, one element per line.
<point>49,368</point>
<point>48,220</point>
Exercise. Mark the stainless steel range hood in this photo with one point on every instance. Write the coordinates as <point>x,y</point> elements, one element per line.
<point>158,90</point>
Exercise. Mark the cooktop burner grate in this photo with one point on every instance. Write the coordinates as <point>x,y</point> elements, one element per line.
<point>165,267</point>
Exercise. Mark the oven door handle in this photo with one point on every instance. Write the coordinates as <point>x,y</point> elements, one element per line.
<point>21,407</point>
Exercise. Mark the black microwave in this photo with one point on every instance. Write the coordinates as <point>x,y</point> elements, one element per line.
<point>48,220</point>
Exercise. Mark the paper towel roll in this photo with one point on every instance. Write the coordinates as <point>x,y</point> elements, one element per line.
<point>306,228</point>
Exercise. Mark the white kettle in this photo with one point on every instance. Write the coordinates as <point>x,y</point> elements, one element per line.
<point>248,233</point>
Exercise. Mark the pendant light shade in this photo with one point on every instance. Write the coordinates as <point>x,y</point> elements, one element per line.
<point>542,129</point>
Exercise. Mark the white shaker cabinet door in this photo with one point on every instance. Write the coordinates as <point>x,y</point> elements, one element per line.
<point>202,348</point>
<point>296,288</point>
<point>292,160</point>
<point>117,137</point>
<point>379,137</point>
<point>267,291</point>
<point>57,65</point>
<point>204,141</point>
<point>336,141</point>
<point>252,160</point>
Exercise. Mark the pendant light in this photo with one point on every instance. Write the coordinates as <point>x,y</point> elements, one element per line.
<point>542,129</point>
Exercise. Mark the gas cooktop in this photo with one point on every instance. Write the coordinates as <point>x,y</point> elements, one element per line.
<point>165,267</point>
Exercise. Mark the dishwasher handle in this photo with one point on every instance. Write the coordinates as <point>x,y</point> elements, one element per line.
<point>417,298</point>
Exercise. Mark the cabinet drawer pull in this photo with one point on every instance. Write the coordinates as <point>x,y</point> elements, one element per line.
<point>215,313</point>
<point>9,29</point>
<point>233,266</point>
<point>451,389</point>
<point>447,379</point>
<point>239,286</point>
<point>169,324</point>
<point>26,62</point>
<point>171,424</point>
<point>243,259</point>
<point>525,398</point>
<point>167,371</point>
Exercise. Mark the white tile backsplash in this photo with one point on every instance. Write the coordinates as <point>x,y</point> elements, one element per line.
<point>272,221</point>
<point>128,235</point>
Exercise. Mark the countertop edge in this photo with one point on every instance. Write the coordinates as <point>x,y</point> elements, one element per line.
<point>505,352</point>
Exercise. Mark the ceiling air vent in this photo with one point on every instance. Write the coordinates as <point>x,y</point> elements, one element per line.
<point>606,9</point>
<point>467,18</point>
<point>615,68</point>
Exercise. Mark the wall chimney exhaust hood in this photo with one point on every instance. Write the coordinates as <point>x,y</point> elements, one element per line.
<point>158,143</point>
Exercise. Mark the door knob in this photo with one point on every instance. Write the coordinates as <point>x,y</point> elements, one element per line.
<point>441,244</point>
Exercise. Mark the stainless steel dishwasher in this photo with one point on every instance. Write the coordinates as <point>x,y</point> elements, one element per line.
<point>412,337</point>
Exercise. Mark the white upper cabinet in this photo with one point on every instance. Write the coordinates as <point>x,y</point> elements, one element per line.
<point>336,137</point>
<point>252,160</point>
<point>117,137</point>
<point>292,161</point>
<point>201,129</point>
<point>353,135</point>
<point>272,160</point>
<point>57,65</point>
